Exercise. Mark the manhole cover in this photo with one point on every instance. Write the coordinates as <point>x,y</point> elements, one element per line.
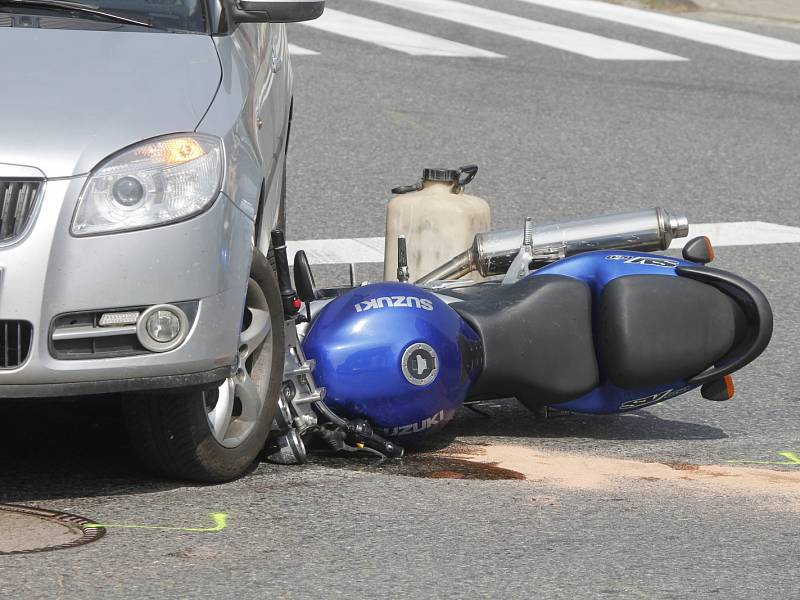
<point>24,530</point>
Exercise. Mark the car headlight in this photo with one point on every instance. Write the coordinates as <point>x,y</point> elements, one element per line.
<point>156,182</point>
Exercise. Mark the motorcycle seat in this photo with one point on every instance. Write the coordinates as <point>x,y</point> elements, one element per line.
<point>654,330</point>
<point>537,340</point>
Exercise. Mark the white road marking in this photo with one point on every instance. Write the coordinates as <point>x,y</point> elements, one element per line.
<point>395,38</point>
<point>370,250</point>
<point>333,252</point>
<point>689,29</point>
<point>570,40</point>
<point>742,233</point>
<point>296,50</point>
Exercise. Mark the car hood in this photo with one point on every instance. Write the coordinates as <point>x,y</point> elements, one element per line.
<point>71,98</point>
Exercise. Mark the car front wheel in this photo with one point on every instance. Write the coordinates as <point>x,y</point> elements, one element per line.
<point>216,434</point>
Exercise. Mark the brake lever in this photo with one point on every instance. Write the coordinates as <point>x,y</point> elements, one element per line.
<point>361,433</point>
<point>356,434</point>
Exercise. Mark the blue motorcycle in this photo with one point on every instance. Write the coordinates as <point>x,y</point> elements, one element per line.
<point>578,316</point>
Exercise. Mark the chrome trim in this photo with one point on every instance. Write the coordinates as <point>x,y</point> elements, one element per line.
<point>9,171</point>
<point>89,332</point>
<point>32,213</point>
<point>23,343</point>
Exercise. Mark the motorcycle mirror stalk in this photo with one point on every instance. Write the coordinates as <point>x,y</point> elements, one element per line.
<point>291,302</point>
<point>402,260</point>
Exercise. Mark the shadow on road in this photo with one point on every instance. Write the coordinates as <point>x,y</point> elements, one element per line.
<point>507,418</point>
<point>68,449</point>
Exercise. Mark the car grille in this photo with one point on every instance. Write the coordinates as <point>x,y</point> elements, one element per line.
<point>15,337</point>
<point>17,201</point>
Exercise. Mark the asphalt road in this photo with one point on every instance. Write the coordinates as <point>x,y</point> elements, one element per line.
<point>556,135</point>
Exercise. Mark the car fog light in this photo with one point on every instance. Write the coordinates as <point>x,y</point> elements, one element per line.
<point>162,327</point>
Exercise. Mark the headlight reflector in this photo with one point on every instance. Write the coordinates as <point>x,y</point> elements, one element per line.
<point>154,183</point>
<point>128,191</point>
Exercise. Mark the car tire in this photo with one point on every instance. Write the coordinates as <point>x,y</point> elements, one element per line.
<point>215,435</point>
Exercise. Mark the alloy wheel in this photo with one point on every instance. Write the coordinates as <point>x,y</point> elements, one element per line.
<point>234,409</point>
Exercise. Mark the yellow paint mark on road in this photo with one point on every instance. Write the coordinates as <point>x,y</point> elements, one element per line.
<point>792,459</point>
<point>220,523</point>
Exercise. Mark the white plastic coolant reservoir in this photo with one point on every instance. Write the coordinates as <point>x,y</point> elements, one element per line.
<point>437,218</point>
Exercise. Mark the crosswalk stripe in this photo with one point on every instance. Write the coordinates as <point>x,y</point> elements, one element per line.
<point>296,50</point>
<point>370,250</point>
<point>570,40</point>
<point>396,38</point>
<point>334,252</point>
<point>697,31</point>
<point>742,233</point>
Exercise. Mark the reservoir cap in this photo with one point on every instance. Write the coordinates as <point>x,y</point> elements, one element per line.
<point>448,175</point>
<point>458,177</point>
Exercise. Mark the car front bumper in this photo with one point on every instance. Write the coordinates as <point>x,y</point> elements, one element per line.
<point>48,273</point>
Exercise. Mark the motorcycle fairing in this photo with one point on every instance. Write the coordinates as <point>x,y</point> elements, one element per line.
<point>600,267</point>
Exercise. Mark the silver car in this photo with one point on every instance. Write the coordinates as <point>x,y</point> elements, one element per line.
<point>142,169</point>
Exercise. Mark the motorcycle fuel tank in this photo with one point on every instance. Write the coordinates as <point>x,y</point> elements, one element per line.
<point>394,354</point>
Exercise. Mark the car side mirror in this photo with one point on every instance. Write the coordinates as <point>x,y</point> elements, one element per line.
<point>275,11</point>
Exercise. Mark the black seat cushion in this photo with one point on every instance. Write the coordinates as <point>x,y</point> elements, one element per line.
<point>537,339</point>
<point>655,330</point>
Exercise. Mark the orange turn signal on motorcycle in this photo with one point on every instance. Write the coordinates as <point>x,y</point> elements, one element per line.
<point>719,390</point>
<point>729,387</point>
<point>699,250</point>
<point>710,249</point>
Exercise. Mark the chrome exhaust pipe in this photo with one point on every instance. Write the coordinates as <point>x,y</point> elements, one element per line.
<point>492,253</point>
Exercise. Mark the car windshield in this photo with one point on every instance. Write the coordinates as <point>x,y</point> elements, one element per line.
<point>173,15</point>
<point>187,15</point>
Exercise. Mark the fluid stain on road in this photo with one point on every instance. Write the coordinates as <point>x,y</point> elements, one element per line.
<point>590,472</point>
<point>565,470</point>
<point>430,466</point>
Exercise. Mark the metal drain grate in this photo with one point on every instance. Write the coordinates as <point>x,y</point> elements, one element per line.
<point>27,530</point>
